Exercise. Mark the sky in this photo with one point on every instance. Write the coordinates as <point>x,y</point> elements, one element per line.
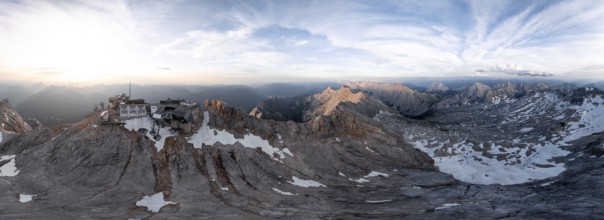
<point>198,42</point>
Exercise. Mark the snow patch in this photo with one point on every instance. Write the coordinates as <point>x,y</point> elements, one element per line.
<point>527,129</point>
<point>360,180</point>
<point>378,201</point>
<point>548,183</point>
<point>154,203</point>
<point>369,149</point>
<point>224,188</point>
<point>209,136</point>
<point>23,198</point>
<point>446,206</point>
<point>305,183</point>
<point>10,168</point>
<point>283,192</point>
<point>375,173</point>
<point>371,174</point>
<point>147,123</point>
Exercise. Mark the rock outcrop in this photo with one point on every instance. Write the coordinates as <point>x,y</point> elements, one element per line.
<point>11,122</point>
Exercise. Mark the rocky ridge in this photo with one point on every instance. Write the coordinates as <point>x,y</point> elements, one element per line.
<point>73,167</point>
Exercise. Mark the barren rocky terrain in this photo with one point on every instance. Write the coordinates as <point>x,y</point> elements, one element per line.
<point>366,150</point>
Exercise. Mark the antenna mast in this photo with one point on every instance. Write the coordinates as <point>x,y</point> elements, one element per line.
<point>130,90</point>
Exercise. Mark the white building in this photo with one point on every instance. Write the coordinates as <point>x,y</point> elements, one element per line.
<point>128,111</point>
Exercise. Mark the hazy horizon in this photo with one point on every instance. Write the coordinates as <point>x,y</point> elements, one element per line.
<point>421,81</point>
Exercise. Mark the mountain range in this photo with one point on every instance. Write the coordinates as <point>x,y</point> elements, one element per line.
<point>510,150</point>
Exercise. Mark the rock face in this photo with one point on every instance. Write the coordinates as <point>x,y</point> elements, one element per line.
<point>406,101</point>
<point>437,87</point>
<point>10,121</point>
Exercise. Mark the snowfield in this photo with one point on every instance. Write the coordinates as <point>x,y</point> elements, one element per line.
<point>591,119</point>
<point>209,136</point>
<point>474,167</point>
<point>518,159</point>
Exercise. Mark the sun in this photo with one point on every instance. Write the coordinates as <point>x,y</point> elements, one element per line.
<point>75,47</point>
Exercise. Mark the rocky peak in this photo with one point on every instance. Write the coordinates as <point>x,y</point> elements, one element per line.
<point>405,100</point>
<point>326,102</point>
<point>437,87</point>
<point>222,110</point>
<point>10,120</point>
<point>476,90</point>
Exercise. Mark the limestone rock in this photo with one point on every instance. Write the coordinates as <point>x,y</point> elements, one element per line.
<point>10,120</point>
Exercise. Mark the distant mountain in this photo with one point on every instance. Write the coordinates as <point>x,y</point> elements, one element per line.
<point>14,93</point>
<point>330,102</point>
<point>475,91</point>
<point>400,97</point>
<point>293,89</point>
<point>243,97</point>
<point>56,105</point>
<point>437,87</point>
<point>281,109</point>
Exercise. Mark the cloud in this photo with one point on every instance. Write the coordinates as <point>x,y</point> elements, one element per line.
<point>301,43</point>
<point>512,69</point>
<point>316,39</point>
